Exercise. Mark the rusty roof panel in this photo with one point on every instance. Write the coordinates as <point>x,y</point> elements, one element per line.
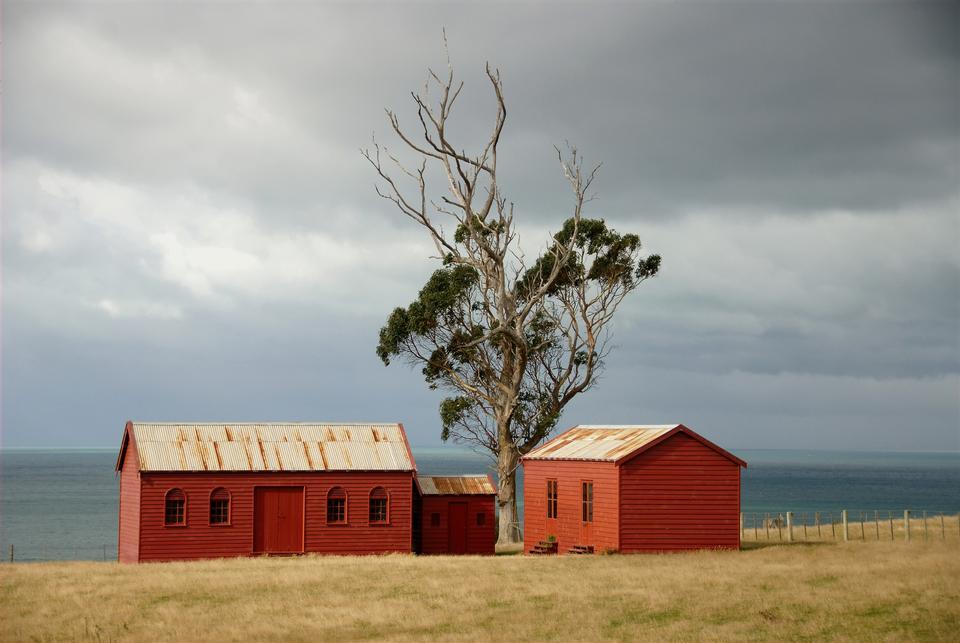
<point>193,455</point>
<point>292,456</point>
<point>456,485</point>
<point>232,456</point>
<point>210,455</point>
<point>154,456</point>
<point>603,443</point>
<point>271,447</point>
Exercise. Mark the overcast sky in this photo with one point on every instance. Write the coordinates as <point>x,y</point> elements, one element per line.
<point>190,232</point>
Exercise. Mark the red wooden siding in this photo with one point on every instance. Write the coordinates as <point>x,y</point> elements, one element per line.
<point>679,495</point>
<point>199,539</point>
<point>569,475</point>
<point>436,539</point>
<point>128,537</point>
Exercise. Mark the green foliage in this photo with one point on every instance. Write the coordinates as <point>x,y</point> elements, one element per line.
<point>611,254</point>
<point>476,228</point>
<point>648,267</point>
<point>535,414</point>
<point>446,290</point>
<point>453,411</point>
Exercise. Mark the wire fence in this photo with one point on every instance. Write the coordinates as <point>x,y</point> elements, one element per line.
<point>35,553</point>
<point>868,525</point>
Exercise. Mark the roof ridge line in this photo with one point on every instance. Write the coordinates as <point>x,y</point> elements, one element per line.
<point>248,422</point>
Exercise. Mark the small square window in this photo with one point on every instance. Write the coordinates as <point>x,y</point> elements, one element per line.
<point>434,520</point>
<point>220,507</point>
<point>336,509</point>
<point>175,508</point>
<point>481,519</point>
<point>219,512</point>
<point>379,505</point>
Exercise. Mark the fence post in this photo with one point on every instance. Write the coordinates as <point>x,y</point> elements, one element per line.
<point>789,526</point>
<point>11,552</point>
<point>890,519</point>
<point>845,530</point>
<point>863,530</point>
<point>906,525</point>
<point>943,529</point>
<point>876,520</point>
<point>924,526</point>
<point>766,524</point>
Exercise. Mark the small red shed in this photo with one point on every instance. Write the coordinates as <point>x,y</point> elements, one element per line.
<point>192,491</point>
<point>456,515</point>
<point>631,489</point>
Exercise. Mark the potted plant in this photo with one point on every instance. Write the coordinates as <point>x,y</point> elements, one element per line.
<point>552,542</point>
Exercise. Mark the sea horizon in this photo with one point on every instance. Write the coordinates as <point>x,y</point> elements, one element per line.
<point>469,450</point>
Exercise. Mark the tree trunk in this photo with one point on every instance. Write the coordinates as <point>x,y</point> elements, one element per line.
<point>507,462</point>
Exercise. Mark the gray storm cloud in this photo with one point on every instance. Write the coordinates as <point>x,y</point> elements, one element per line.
<point>190,232</point>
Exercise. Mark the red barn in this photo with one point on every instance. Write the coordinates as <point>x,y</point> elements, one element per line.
<point>631,489</point>
<point>192,491</point>
<point>456,515</point>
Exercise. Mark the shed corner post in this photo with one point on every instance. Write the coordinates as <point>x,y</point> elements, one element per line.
<point>846,530</point>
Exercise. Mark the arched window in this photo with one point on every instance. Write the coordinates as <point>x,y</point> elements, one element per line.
<point>175,508</point>
<point>220,507</point>
<point>379,505</point>
<point>336,506</point>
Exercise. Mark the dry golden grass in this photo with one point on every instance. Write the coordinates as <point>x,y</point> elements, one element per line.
<point>855,591</point>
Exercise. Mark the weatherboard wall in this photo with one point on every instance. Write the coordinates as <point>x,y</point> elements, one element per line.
<point>199,539</point>
<point>679,494</point>
<point>435,538</point>
<point>128,532</point>
<point>568,528</point>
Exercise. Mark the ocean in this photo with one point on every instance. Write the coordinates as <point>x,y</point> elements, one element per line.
<point>60,504</point>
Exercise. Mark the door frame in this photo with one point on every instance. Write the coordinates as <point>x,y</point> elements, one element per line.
<point>303,519</point>
<point>466,527</point>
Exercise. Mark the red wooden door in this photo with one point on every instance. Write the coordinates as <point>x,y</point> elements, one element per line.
<point>278,520</point>
<point>457,528</point>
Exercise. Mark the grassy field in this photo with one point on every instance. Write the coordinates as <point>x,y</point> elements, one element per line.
<point>855,591</point>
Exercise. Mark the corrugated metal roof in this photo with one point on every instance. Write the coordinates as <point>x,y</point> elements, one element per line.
<point>271,447</point>
<point>595,442</point>
<point>455,485</point>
